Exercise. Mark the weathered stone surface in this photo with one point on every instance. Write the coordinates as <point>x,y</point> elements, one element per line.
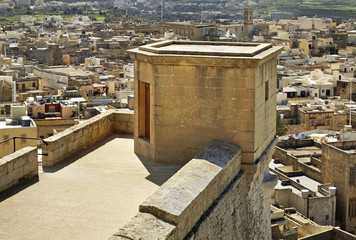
<point>198,96</point>
<point>83,135</point>
<point>184,198</point>
<point>258,210</point>
<point>145,226</point>
<point>226,219</point>
<point>17,167</point>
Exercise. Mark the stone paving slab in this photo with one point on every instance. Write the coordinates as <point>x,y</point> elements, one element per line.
<point>88,197</point>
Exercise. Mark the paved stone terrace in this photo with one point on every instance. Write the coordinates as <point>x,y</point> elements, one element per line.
<point>88,197</point>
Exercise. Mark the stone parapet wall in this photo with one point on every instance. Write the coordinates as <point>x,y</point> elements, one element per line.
<point>260,185</point>
<point>282,155</point>
<point>287,159</point>
<point>18,167</point>
<point>183,202</point>
<point>76,138</point>
<point>226,218</point>
<point>209,198</point>
<point>124,122</point>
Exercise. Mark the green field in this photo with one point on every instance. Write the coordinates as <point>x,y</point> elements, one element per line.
<point>14,16</point>
<point>322,8</point>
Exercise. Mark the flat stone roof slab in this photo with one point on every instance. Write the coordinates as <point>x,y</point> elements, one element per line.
<point>206,48</point>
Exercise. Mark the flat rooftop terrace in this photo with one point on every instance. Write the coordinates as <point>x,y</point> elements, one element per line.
<point>302,151</point>
<point>89,196</point>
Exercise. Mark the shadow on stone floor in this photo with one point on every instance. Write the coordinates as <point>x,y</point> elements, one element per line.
<point>76,156</point>
<point>159,172</point>
<point>18,188</point>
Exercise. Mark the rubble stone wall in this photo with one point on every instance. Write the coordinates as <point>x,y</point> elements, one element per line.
<point>18,167</point>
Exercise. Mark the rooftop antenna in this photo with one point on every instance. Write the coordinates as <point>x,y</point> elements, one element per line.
<point>201,15</point>
<point>161,10</point>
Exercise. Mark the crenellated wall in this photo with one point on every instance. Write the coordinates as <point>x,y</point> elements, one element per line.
<point>18,167</point>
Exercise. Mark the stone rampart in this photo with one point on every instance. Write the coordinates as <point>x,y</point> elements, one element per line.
<point>18,167</point>
<point>211,197</point>
<point>199,190</point>
<point>83,135</point>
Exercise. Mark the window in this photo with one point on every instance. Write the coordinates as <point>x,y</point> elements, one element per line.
<point>266,90</point>
<point>328,122</point>
<point>339,125</point>
<point>312,218</point>
<point>326,217</point>
<point>312,122</point>
<point>33,84</point>
<point>320,122</point>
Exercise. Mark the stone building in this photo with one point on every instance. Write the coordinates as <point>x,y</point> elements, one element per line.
<point>339,167</point>
<point>6,89</point>
<point>175,79</point>
<point>248,23</point>
<point>300,118</point>
<point>190,94</point>
<point>16,126</point>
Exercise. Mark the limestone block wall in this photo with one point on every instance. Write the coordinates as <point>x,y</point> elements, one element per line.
<point>195,100</point>
<point>85,134</point>
<point>45,127</point>
<point>227,218</point>
<point>235,111</point>
<point>180,203</point>
<point>123,122</point>
<point>288,159</point>
<point>17,167</point>
<point>207,199</point>
<point>260,187</point>
<point>337,164</point>
<point>283,156</point>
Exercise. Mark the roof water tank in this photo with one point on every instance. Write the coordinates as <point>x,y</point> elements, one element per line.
<point>305,193</point>
<point>25,121</point>
<point>332,191</point>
